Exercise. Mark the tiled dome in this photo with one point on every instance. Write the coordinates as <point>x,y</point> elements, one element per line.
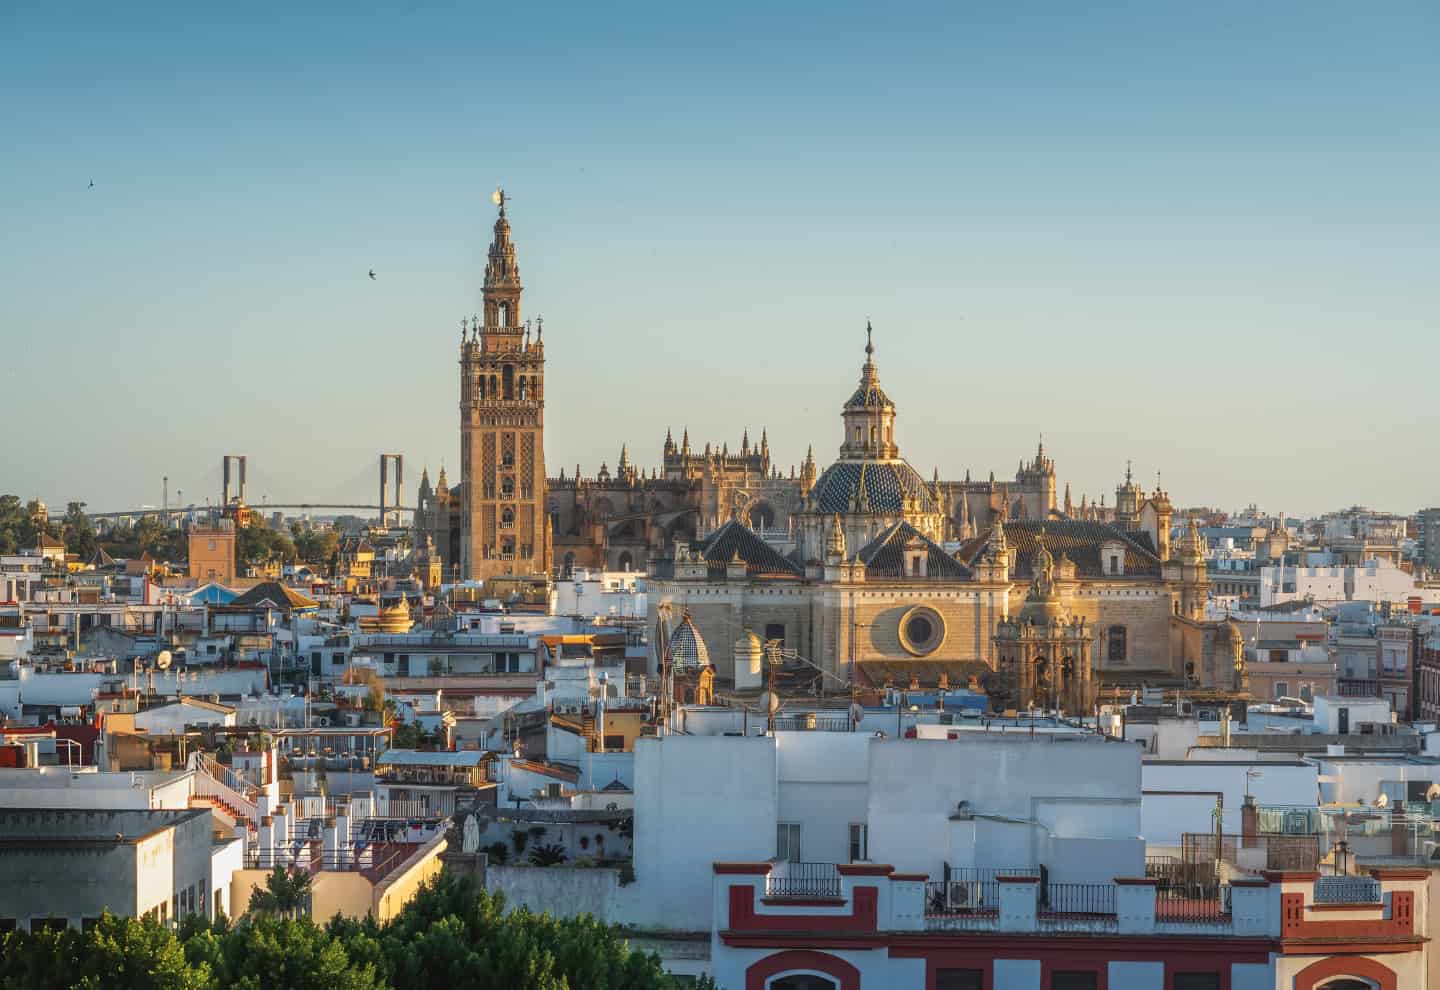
<point>887,484</point>
<point>687,647</point>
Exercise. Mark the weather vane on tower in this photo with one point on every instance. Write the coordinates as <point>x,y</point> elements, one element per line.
<point>498,196</point>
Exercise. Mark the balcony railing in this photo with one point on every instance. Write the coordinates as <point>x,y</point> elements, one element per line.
<point>1077,901</point>
<point>1347,890</point>
<point>792,879</point>
<point>1359,687</point>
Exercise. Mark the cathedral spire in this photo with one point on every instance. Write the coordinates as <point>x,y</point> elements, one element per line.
<point>835,541</point>
<point>685,441</point>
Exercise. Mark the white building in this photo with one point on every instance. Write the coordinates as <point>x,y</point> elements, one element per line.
<point>591,594</point>
<point>1373,581</point>
<point>68,866</point>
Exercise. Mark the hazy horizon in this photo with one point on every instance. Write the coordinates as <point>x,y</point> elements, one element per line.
<point>1200,239</point>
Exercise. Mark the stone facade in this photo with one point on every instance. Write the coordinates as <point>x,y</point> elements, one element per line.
<point>495,522</point>
<point>1058,607</point>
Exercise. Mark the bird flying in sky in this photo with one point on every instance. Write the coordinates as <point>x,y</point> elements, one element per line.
<point>372,274</point>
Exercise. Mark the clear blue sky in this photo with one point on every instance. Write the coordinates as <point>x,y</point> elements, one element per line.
<point>1203,236</point>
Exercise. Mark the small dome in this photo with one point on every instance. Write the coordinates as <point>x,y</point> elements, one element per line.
<point>868,396</point>
<point>888,484</point>
<point>687,647</point>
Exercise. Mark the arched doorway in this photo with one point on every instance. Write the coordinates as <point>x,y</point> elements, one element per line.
<point>627,562</point>
<point>761,516</point>
<point>803,981</point>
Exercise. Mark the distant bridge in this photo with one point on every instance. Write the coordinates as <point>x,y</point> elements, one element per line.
<point>151,510</point>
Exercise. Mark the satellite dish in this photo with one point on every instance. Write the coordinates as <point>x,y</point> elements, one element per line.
<point>162,660</point>
<point>1432,792</point>
<point>1382,801</point>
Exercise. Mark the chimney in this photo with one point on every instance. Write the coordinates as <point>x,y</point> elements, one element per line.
<point>1249,823</point>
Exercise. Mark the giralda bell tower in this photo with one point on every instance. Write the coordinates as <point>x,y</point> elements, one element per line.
<point>502,427</point>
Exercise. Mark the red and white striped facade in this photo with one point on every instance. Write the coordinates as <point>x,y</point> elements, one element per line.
<point>877,933</point>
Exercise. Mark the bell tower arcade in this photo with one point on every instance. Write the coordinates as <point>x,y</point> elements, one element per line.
<point>502,427</point>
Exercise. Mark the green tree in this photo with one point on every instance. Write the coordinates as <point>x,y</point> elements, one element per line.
<point>286,893</point>
<point>77,531</point>
<point>117,954</point>
<point>19,524</point>
<point>257,543</point>
<point>268,953</point>
<point>408,736</point>
<point>315,546</point>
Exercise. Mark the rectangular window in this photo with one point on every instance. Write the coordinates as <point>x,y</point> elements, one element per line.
<point>1196,981</point>
<point>337,659</point>
<point>1074,979</point>
<point>615,744</point>
<point>775,630</point>
<point>1116,648</point>
<point>787,841</point>
<point>859,842</point>
<point>1114,564</point>
<point>1282,688</point>
<point>959,979</point>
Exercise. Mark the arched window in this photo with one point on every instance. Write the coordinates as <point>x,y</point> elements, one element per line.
<point>482,388</point>
<point>524,387</point>
<point>507,516</point>
<point>627,562</point>
<point>872,436</point>
<point>568,568</point>
<point>494,388</point>
<point>507,380</point>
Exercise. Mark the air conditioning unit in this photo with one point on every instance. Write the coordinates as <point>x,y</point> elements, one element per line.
<point>964,895</point>
<point>323,721</point>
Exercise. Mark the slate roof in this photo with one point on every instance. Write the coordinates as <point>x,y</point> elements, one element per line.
<point>761,559</point>
<point>1074,538</point>
<point>887,483</point>
<point>276,594</point>
<point>884,556</point>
